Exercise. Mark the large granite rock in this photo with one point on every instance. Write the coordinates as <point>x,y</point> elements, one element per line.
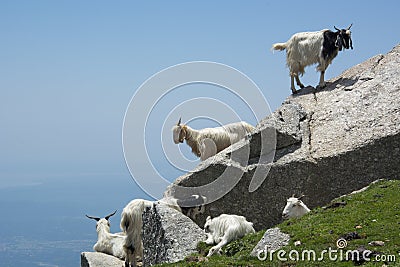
<point>328,143</point>
<point>168,235</point>
<point>96,259</point>
<point>272,240</point>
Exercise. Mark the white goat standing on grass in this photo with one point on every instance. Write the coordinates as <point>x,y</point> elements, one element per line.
<point>294,208</point>
<point>209,141</point>
<point>308,48</point>
<point>224,229</point>
<point>112,244</point>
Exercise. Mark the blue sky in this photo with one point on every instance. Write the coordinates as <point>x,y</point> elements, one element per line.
<point>69,68</point>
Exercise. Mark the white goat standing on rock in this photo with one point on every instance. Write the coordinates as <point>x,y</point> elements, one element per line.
<point>112,244</point>
<point>224,229</point>
<point>294,208</point>
<point>308,48</point>
<point>209,141</point>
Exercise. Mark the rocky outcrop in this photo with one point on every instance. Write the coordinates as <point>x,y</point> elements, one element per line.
<point>323,143</point>
<point>272,240</point>
<point>96,259</point>
<point>329,142</point>
<point>168,235</point>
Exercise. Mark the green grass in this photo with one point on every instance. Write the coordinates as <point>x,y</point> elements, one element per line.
<point>374,214</point>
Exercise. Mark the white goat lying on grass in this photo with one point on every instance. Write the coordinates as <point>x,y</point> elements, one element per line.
<point>294,208</point>
<point>112,244</point>
<point>224,229</point>
<point>209,141</point>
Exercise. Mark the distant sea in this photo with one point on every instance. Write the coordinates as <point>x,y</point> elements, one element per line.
<point>43,223</point>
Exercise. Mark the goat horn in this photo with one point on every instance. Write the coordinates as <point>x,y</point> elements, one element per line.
<point>350,26</point>
<point>293,195</point>
<point>108,216</point>
<point>179,122</point>
<point>336,28</point>
<point>94,218</point>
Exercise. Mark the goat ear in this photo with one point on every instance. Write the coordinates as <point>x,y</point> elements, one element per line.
<point>300,197</point>
<point>338,42</point>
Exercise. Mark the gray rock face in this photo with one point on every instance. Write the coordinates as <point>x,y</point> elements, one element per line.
<point>329,142</point>
<point>272,240</point>
<point>96,259</point>
<point>168,235</point>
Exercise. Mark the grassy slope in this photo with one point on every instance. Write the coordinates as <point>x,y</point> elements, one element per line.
<point>375,212</point>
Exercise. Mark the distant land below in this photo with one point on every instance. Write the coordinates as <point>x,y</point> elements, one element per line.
<point>44,224</point>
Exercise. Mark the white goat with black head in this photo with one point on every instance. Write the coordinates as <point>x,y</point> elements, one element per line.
<point>225,228</point>
<point>112,244</point>
<point>209,141</point>
<point>294,208</point>
<point>308,48</point>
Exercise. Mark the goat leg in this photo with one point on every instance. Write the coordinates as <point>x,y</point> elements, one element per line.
<point>322,83</point>
<point>298,82</point>
<point>292,84</point>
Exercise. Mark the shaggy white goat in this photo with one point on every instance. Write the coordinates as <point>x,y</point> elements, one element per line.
<point>112,244</point>
<point>209,141</point>
<point>294,208</point>
<point>225,228</point>
<point>132,223</point>
<point>308,48</point>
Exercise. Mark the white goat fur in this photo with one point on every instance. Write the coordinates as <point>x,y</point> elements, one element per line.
<point>131,225</point>
<point>225,228</point>
<point>108,243</point>
<point>209,141</point>
<point>304,49</point>
<point>294,208</point>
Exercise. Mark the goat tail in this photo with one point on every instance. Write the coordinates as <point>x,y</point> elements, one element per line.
<point>279,46</point>
<point>248,127</point>
<point>125,222</point>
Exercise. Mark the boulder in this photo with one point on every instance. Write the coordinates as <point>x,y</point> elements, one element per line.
<point>272,240</point>
<point>96,259</point>
<point>327,143</point>
<point>168,235</point>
